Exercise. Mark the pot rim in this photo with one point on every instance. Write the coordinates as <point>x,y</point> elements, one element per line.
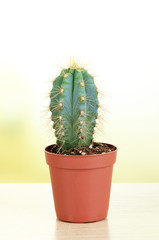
<point>80,161</point>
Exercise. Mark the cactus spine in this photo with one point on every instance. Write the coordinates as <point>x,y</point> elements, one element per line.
<point>74,107</point>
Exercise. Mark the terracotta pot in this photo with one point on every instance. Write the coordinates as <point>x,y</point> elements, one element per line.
<point>81,185</point>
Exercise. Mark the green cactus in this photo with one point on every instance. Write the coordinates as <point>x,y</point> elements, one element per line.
<point>74,107</point>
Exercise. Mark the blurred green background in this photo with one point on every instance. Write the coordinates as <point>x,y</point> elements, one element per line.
<point>123,50</point>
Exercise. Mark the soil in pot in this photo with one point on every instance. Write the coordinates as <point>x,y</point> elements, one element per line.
<point>95,148</point>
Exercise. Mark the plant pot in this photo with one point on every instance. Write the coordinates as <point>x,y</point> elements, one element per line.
<point>81,185</point>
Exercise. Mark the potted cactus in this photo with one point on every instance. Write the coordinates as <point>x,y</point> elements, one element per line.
<point>80,169</point>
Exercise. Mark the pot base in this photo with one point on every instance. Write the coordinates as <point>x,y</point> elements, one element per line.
<point>85,220</point>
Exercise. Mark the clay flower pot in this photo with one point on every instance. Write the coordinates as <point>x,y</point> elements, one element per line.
<point>81,185</point>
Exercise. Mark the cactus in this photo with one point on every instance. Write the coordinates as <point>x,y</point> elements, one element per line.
<point>74,107</point>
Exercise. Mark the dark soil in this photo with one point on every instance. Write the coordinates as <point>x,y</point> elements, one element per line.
<point>95,148</point>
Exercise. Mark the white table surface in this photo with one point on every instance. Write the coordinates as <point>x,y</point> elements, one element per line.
<point>27,213</point>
